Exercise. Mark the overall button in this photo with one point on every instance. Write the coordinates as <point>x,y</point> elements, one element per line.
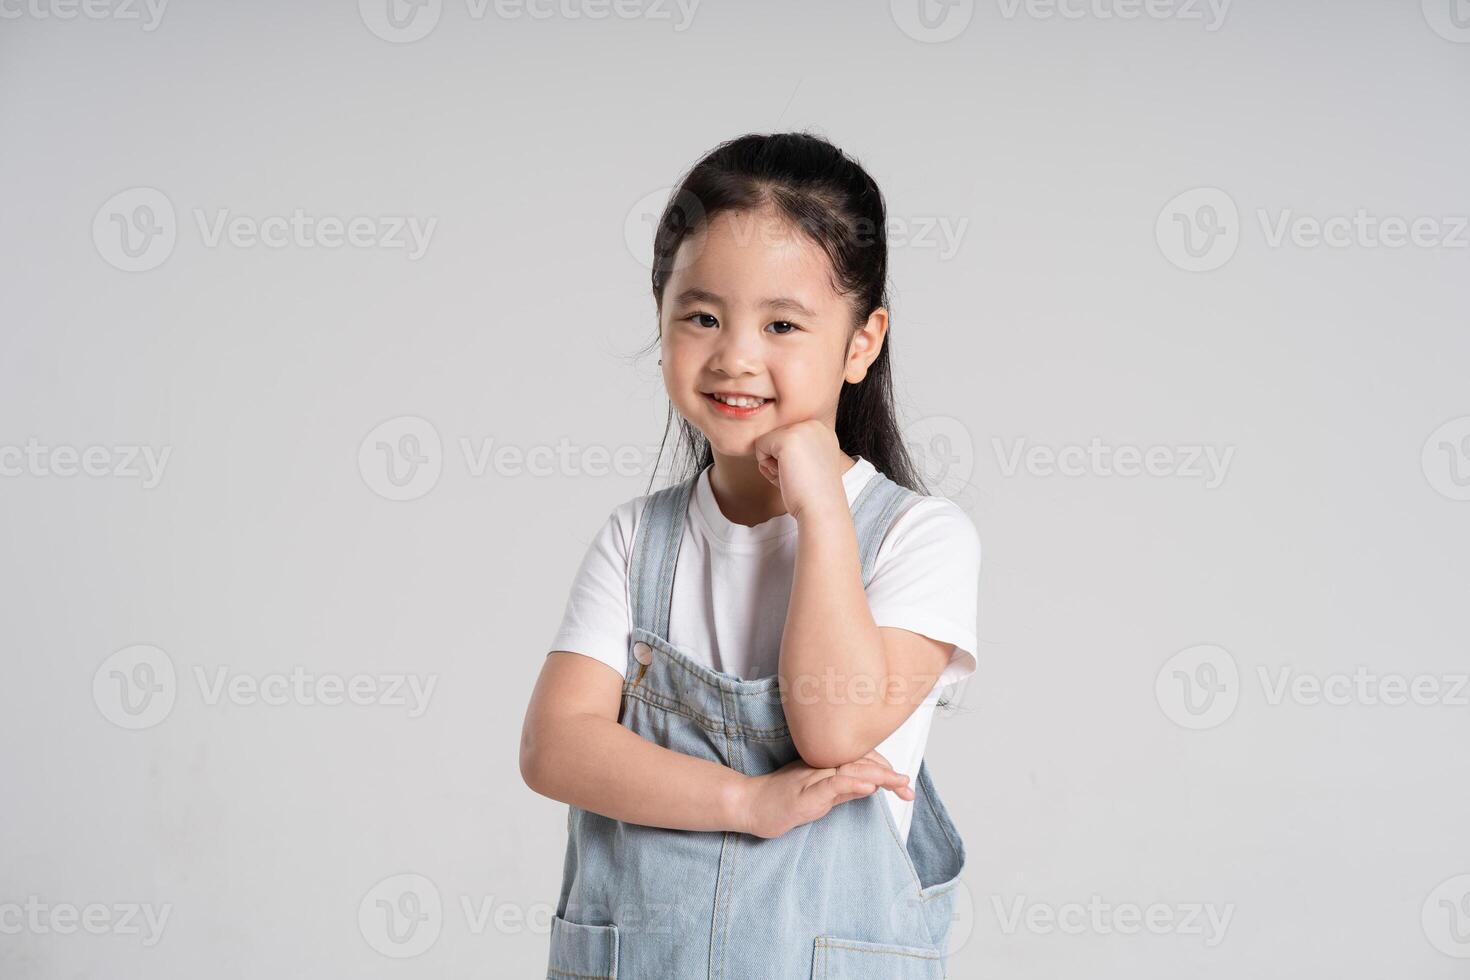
<point>643,653</point>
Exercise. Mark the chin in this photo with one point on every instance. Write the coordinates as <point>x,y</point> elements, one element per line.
<point>734,448</point>
<point>728,447</point>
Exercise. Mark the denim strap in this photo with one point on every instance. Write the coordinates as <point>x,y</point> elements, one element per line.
<point>661,531</point>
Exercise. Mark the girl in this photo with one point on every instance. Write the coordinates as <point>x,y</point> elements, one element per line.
<point>738,647</point>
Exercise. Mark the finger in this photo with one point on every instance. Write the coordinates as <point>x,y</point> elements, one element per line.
<point>873,772</point>
<point>902,791</point>
<point>896,783</point>
<point>869,771</point>
<point>889,783</point>
<point>874,754</point>
<point>850,787</point>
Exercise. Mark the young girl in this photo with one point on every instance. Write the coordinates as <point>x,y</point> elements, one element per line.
<point>750,655</point>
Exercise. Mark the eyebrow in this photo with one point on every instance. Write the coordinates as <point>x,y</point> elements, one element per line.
<point>696,295</point>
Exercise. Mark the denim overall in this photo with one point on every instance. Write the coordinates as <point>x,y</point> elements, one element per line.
<point>840,898</point>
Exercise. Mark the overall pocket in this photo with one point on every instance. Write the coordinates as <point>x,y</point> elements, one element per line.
<point>834,958</point>
<point>581,952</point>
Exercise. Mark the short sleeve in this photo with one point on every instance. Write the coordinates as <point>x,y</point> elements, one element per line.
<point>926,579</point>
<point>597,621</point>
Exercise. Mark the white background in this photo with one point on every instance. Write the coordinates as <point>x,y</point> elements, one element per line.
<point>1050,142</point>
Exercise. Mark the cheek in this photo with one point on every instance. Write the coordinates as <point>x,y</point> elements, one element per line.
<point>680,349</point>
<point>808,376</point>
<point>680,365</point>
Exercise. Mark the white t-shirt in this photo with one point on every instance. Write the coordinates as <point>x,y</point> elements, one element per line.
<point>732,587</point>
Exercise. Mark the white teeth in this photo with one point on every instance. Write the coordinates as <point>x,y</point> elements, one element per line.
<point>739,401</point>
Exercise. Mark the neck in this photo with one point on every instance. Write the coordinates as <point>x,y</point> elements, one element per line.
<point>744,495</point>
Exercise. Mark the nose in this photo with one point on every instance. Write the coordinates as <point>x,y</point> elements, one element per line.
<point>736,352</point>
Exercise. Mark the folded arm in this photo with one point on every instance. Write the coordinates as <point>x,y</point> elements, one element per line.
<point>574,750</point>
<point>848,683</point>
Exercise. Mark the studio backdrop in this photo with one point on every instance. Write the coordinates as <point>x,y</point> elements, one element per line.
<point>325,352</point>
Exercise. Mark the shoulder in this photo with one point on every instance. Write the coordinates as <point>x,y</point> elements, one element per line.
<point>933,524</point>
<point>622,523</point>
<point>926,578</point>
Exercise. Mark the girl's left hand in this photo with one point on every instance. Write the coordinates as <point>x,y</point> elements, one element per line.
<point>802,459</point>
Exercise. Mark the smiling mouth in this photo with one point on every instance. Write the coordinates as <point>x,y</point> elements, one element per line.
<point>746,408</point>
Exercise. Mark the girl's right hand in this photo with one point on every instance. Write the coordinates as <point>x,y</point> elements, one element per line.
<point>795,794</point>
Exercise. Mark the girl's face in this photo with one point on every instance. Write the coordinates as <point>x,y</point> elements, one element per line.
<point>750,309</point>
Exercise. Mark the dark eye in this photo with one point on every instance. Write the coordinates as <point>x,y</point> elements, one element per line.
<point>784,323</point>
<point>695,317</point>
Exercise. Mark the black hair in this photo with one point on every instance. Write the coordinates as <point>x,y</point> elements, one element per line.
<point>829,196</point>
<point>832,199</point>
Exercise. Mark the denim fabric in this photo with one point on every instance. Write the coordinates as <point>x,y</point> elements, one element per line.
<point>840,898</point>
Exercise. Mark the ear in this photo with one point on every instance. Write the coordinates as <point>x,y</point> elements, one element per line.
<point>865,346</point>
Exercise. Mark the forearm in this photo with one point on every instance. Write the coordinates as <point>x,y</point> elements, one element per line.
<point>833,661</point>
<point>592,762</point>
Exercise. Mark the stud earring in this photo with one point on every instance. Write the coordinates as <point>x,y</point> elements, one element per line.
<point>660,360</point>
